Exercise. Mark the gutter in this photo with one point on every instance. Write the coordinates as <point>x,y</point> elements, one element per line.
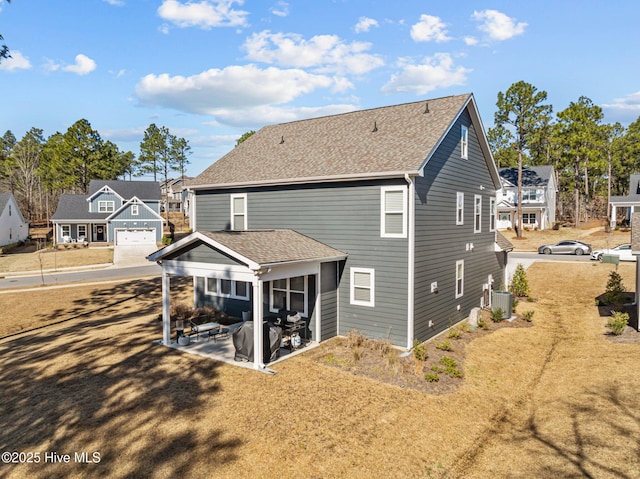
<point>411,210</point>
<point>307,180</point>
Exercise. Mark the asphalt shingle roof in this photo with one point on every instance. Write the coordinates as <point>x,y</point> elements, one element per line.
<point>273,246</point>
<point>144,190</point>
<point>389,139</point>
<point>531,175</point>
<point>75,207</point>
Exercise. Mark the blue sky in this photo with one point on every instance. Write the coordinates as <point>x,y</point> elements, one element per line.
<point>212,70</point>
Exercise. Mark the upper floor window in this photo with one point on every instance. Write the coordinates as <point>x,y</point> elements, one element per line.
<point>464,142</point>
<point>477,214</point>
<point>363,286</point>
<point>529,195</point>
<point>106,206</point>
<point>459,208</point>
<point>492,214</point>
<point>393,212</point>
<point>239,212</point>
<point>134,210</point>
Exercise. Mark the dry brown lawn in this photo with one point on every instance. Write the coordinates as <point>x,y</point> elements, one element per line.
<point>27,259</point>
<point>558,399</point>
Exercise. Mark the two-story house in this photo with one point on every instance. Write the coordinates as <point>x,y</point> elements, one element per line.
<point>539,188</point>
<point>13,226</point>
<point>381,220</point>
<point>118,212</point>
<point>174,194</point>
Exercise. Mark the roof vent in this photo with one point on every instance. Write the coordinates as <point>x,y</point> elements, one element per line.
<point>375,127</point>
<point>282,140</point>
<point>426,108</point>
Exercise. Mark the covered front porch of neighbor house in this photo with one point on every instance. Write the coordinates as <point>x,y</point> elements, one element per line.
<point>278,276</point>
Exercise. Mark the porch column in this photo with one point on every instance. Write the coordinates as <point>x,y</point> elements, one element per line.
<point>258,346</point>
<point>166,308</point>
<point>318,304</point>
<point>613,216</point>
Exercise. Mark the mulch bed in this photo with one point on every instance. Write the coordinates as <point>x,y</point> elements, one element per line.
<point>377,360</point>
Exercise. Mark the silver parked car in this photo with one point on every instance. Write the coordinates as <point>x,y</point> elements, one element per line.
<point>566,247</point>
<point>622,251</point>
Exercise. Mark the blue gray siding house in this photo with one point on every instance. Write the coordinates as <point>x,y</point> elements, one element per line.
<point>118,212</point>
<point>399,201</point>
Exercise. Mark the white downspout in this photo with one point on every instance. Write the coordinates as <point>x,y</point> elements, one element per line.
<point>411,231</point>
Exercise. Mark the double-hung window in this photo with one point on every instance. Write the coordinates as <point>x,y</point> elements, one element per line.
<point>477,213</point>
<point>106,206</point>
<point>393,210</point>
<point>459,208</point>
<point>135,210</point>
<point>363,286</point>
<point>65,230</point>
<point>290,294</point>
<point>227,288</point>
<point>239,212</point>
<point>82,231</point>
<point>464,142</point>
<point>459,278</point>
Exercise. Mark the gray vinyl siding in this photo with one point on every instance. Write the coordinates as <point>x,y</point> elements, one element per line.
<point>105,196</point>
<point>345,216</point>
<point>440,242</point>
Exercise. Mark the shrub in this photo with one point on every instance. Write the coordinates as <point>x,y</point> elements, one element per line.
<point>454,333</point>
<point>497,314</point>
<point>618,322</point>
<point>355,339</point>
<point>519,283</point>
<point>451,367</point>
<point>615,289</point>
<point>419,350</point>
<point>528,315</point>
<point>444,345</point>
<point>431,377</point>
<point>166,239</point>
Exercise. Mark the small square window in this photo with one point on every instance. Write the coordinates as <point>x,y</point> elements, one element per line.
<point>363,287</point>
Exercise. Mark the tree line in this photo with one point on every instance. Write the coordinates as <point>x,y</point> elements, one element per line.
<point>37,170</point>
<point>592,159</point>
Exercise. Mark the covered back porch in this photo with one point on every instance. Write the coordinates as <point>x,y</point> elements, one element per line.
<point>265,274</point>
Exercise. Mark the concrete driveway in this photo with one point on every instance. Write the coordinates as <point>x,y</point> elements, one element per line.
<point>130,255</point>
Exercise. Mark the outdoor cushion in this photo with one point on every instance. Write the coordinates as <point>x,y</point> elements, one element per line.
<point>201,328</point>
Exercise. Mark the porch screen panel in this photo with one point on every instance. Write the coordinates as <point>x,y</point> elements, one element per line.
<point>296,295</point>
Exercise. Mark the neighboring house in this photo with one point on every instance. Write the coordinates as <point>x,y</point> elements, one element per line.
<point>174,194</point>
<point>634,319</point>
<point>118,212</point>
<point>381,221</point>
<point>539,188</point>
<point>628,203</point>
<point>13,227</point>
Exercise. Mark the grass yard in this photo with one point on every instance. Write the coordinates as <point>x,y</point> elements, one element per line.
<point>558,399</point>
<point>27,259</point>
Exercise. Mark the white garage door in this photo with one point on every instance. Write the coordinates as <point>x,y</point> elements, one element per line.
<point>135,237</point>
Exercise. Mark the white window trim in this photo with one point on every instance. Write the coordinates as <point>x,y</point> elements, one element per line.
<point>477,215</point>
<point>492,214</point>
<point>233,295</point>
<point>135,209</point>
<point>459,208</point>
<point>383,212</point>
<point>233,213</point>
<point>352,287</point>
<point>85,230</point>
<point>460,292</point>
<point>109,206</point>
<point>62,228</point>
<point>464,142</point>
<point>288,292</point>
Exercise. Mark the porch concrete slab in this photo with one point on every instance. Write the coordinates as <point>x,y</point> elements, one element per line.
<point>223,349</point>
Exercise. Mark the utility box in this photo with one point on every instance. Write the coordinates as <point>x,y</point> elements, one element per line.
<point>611,258</point>
<point>502,300</point>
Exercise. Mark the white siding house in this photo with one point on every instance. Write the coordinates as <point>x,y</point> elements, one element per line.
<point>13,226</point>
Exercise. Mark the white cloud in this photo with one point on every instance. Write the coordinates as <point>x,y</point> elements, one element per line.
<point>255,117</point>
<point>324,53</point>
<point>364,24</point>
<point>234,87</point>
<point>115,3</point>
<point>281,9</point>
<point>434,72</point>
<point>82,66</point>
<point>17,62</point>
<point>498,25</point>
<point>470,41</point>
<point>429,28</point>
<point>205,14</point>
<point>628,107</point>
